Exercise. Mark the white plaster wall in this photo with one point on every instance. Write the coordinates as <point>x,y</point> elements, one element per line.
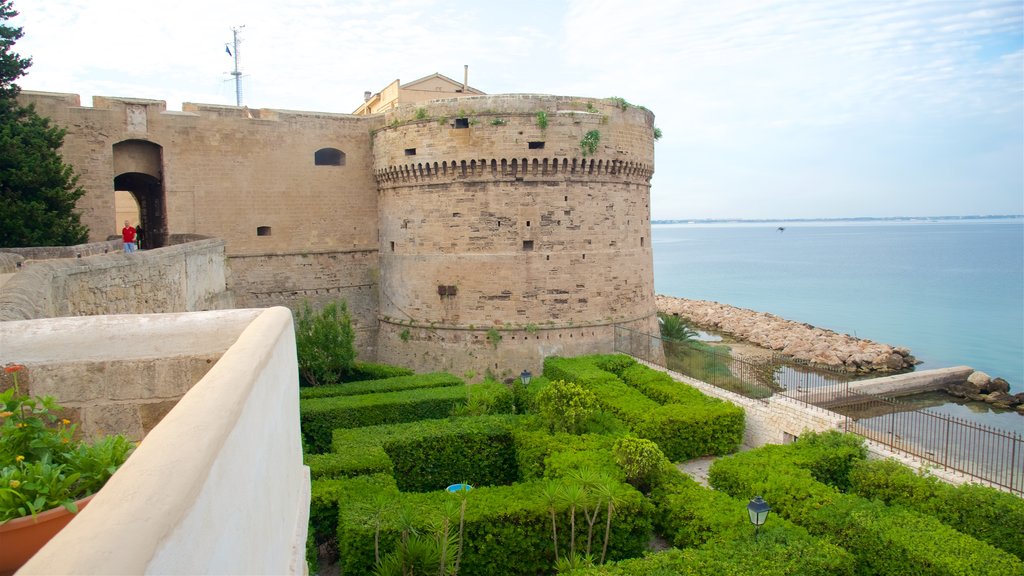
<point>218,487</point>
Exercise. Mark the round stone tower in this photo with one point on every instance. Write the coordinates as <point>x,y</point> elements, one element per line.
<point>512,228</point>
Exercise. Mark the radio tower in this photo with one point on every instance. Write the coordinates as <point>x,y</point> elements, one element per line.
<point>235,41</point>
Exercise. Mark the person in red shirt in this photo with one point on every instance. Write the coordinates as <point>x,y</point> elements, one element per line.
<point>128,237</point>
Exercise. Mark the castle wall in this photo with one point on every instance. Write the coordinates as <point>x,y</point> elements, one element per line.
<point>292,229</point>
<point>489,221</point>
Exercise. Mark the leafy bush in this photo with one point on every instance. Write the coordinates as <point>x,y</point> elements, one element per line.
<point>979,511</point>
<point>390,384</point>
<point>565,406</point>
<point>640,459</point>
<point>324,343</point>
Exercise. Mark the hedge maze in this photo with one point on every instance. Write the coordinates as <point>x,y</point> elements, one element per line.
<point>382,453</point>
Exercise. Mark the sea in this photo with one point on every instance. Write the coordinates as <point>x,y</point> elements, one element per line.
<point>950,289</point>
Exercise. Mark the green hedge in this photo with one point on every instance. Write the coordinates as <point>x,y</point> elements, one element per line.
<point>370,371</point>
<point>321,416</point>
<point>541,454</point>
<point>390,384</point>
<point>985,513</point>
<point>683,431</point>
<point>507,528</point>
<point>692,516</point>
<point>884,540</point>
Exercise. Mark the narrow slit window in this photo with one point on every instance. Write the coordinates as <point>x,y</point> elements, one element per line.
<point>535,145</point>
<point>641,241</point>
<point>263,230</point>
<point>392,246</point>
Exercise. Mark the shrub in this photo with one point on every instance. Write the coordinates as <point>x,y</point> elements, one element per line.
<point>985,513</point>
<point>565,406</point>
<point>640,459</point>
<point>324,343</point>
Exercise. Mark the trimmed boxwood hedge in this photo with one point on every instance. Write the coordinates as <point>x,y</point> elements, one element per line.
<point>507,528</point>
<point>391,384</point>
<point>541,454</point>
<point>985,513</point>
<point>683,424</point>
<point>884,540</point>
<point>321,416</point>
<point>692,516</point>
<point>370,371</point>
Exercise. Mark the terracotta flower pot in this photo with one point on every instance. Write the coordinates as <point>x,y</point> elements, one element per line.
<point>22,537</point>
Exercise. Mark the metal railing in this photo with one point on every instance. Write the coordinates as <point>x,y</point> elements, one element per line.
<point>981,452</point>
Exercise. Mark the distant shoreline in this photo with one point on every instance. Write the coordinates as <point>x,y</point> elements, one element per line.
<point>848,219</point>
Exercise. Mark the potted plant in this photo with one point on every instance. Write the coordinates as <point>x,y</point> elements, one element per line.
<point>46,474</point>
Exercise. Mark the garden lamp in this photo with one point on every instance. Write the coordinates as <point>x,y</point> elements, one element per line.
<point>525,377</point>
<point>758,510</point>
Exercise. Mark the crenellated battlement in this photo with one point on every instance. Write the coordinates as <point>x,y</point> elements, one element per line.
<point>512,168</point>
<point>462,214</point>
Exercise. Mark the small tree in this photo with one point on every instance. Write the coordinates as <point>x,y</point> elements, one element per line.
<point>38,191</point>
<point>640,459</point>
<point>324,343</point>
<point>566,406</point>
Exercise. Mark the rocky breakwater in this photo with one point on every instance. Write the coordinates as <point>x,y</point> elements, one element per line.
<point>803,342</point>
<point>981,387</point>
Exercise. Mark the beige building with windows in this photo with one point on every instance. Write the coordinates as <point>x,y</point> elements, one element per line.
<point>428,88</point>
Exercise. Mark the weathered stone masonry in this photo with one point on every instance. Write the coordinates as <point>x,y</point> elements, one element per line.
<point>463,234</point>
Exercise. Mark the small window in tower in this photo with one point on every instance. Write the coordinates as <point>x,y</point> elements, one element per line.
<point>462,122</point>
<point>410,151</point>
<point>535,145</point>
<point>527,245</point>
<point>527,223</point>
<point>329,157</point>
<point>641,241</point>
<point>263,230</point>
<point>392,246</point>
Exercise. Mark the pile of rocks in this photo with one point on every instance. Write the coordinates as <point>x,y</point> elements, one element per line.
<point>801,341</point>
<point>981,387</point>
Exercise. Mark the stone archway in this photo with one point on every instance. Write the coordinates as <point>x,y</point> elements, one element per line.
<point>138,168</point>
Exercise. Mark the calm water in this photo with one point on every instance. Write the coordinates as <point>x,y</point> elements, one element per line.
<point>951,291</point>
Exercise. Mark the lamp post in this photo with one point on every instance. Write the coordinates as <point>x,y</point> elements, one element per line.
<point>525,377</point>
<point>758,510</point>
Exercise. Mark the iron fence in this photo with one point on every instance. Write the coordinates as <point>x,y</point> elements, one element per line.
<point>980,452</point>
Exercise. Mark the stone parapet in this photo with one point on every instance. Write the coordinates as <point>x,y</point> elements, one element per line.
<point>181,278</point>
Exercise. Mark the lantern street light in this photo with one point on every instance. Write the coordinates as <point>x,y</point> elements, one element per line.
<point>525,377</point>
<point>758,510</point>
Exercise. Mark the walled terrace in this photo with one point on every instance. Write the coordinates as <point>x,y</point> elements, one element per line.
<point>186,502</point>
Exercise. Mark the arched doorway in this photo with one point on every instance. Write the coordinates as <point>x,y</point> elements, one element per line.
<point>138,169</point>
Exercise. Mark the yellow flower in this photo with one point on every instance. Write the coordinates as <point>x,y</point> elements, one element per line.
<point>19,425</point>
<point>15,483</point>
<point>64,440</point>
<point>19,458</point>
<point>6,414</point>
<point>65,421</point>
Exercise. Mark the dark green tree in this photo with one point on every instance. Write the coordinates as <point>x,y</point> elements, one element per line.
<point>38,191</point>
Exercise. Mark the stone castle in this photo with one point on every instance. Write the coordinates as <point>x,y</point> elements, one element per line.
<point>473,234</point>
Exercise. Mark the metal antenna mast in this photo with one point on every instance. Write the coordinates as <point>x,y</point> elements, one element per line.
<point>236,72</point>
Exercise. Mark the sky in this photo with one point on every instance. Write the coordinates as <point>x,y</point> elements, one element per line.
<point>769,108</point>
